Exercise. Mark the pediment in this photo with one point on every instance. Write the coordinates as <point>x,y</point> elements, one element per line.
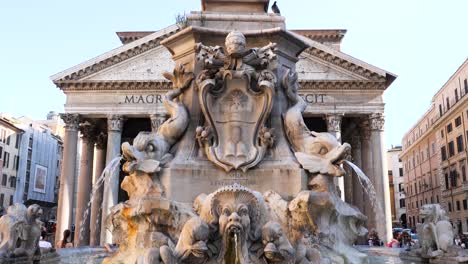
<point>310,68</point>
<point>148,66</point>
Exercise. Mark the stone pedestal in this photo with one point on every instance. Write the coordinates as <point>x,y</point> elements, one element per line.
<point>67,178</point>
<point>84,185</point>
<point>184,182</point>
<point>96,206</point>
<point>111,190</point>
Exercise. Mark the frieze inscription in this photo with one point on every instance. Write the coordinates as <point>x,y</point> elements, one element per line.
<point>142,99</point>
<point>311,98</point>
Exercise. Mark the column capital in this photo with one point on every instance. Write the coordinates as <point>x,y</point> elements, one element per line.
<point>377,121</point>
<point>115,122</point>
<point>101,140</point>
<point>334,122</point>
<point>88,131</point>
<point>72,121</point>
<point>156,121</point>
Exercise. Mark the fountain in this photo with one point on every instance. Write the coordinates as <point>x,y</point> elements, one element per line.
<point>241,93</point>
<point>234,175</point>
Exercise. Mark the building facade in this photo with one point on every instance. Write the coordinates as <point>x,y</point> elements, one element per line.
<point>116,95</point>
<point>434,154</point>
<point>10,140</point>
<point>397,186</point>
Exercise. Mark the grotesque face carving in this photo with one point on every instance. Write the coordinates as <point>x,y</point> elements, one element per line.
<point>234,219</point>
<point>276,246</point>
<point>235,43</point>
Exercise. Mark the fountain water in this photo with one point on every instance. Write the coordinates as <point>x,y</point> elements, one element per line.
<point>105,178</point>
<point>367,185</point>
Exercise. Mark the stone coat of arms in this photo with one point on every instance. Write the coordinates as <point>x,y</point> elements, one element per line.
<point>236,90</point>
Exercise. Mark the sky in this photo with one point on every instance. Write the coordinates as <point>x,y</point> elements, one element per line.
<point>421,41</point>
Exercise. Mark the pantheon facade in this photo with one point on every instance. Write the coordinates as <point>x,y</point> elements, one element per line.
<point>112,97</point>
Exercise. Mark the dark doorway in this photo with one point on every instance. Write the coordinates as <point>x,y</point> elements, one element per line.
<point>316,124</point>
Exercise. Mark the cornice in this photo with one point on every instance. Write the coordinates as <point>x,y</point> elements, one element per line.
<point>114,85</point>
<point>341,85</point>
<point>346,64</point>
<point>165,85</point>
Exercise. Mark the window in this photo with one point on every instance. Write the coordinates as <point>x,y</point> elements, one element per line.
<point>415,188</point>
<point>458,121</point>
<point>456,95</point>
<point>390,173</point>
<point>6,159</point>
<point>463,170</point>
<point>453,178</point>
<point>417,204</point>
<point>13,182</point>
<point>442,133</point>
<point>466,86</point>
<point>1,152</point>
<point>449,128</point>
<point>460,146</point>
<point>17,140</point>
<point>451,148</point>
<point>458,206</point>
<point>402,203</point>
<point>447,103</point>
<point>432,199</point>
<point>437,198</point>
<point>446,181</point>
<point>443,152</point>
<point>401,172</point>
<point>465,204</point>
<point>11,199</point>
<point>4,179</point>
<point>8,140</point>
<point>450,206</point>
<point>401,188</point>
<point>440,110</point>
<point>2,199</point>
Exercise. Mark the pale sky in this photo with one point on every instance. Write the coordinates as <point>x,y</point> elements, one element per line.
<point>422,41</point>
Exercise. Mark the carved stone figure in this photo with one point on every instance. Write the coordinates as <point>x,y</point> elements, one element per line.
<point>236,92</point>
<point>277,248</point>
<point>316,152</point>
<point>150,150</point>
<point>20,231</point>
<point>436,233</point>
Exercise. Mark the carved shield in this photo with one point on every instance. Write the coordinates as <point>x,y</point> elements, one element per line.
<point>236,112</point>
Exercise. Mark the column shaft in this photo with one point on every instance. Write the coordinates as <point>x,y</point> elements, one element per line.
<point>358,192</point>
<point>84,190</point>
<point>67,176</point>
<point>111,190</point>
<point>334,128</point>
<point>99,164</point>
<point>367,168</point>
<point>384,225</point>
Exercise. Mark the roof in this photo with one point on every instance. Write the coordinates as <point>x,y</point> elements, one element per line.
<point>322,35</point>
<point>142,41</point>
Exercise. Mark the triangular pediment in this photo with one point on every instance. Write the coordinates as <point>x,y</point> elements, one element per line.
<point>145,59</point>
<point>148,66</point>
<point>310,68</point>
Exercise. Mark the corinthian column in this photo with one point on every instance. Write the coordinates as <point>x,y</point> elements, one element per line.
<point>84,184</point>
<point>367,168</point>
<point>334,128</point>
<point>156,121</point>
<point>384,225</point>
<point>111,190</point>
<point>357,189</point>
<point>99,164</point>
<point>67,176</point>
